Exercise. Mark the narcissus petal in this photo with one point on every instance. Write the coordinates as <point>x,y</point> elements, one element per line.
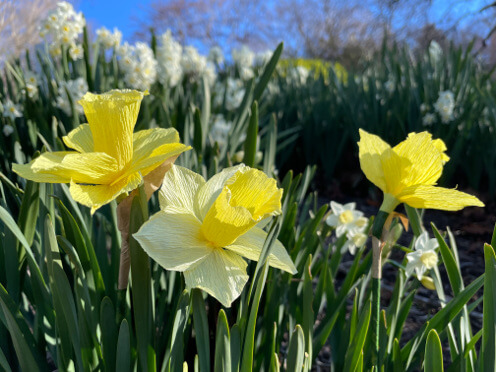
<point>371,147</point>
<point>80,139</point>
<point>95,196</point>
<point>425,159</point>
<point>426,196</point>
<point>156,157</point>
<point>250,246</point>
<point>179,187</point>
<point>222,274</point>
<point>64,166</point>
<point>172,238</point>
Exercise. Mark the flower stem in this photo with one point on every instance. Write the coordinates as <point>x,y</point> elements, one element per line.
<point>376,295</point>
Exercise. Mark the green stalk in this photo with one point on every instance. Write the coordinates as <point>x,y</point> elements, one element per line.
<point>377,229</point>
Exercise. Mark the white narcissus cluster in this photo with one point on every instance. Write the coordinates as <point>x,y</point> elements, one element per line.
<point>11,110</point>
<point>445,106</point>
<point>31,81</point>
<point>244,58</point>
<point>108,39</point>
<point>216,55</point>
<point>220,129</point>
<point>349,222</point>
<point>62,28</point>
<point>298,75</point>
<point>232,90</point>
<point>169,54</point>
<point>429,119</point>
<point>76,89</point>
<point>138,64</point>
<point>435,51</point>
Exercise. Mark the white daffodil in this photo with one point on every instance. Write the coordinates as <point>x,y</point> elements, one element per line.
<point>345,218</point>
<point>206,228</point>
<point>424,257</point>
<point>356,238</point>
<point>11,110</point>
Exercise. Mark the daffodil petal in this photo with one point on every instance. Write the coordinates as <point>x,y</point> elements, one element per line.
<point>441,146</point>
<point>172,238</point>
<point>92,167</point>
<point>209,192</point>
<point>433,197</point>
<point>371,148</point>
<point>25,171</point>
<point>425,158</point>
<point>80,139</point>
<point>112,117</point>
<point>179,187</point>
<point>145,141</point>
<point>157,156</point>
<point>64,166</point>
<point>95,196</point>
<point>221,274</point>
<point>250,246</point>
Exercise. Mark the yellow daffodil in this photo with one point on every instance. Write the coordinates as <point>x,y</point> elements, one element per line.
<point>205,228</point>
<point>109,159</point>
<point>408,172</point>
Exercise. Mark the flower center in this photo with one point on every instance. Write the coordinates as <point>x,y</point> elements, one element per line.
<point>345,217</point>
<point>429,259</point>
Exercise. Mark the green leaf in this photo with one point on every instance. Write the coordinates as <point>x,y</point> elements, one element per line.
<point>177,338</point>
<point>123,358</point>
<point>222,362</point>
<point>441,320</point>
<point>250,146</point>
<point>83,246</point>
<point>397,363</point>
<point>454,274</point>
<point>109,333</point>
<point>235,338</point>
<point>488,347</point>
<point>296,350</point>
<point>28,213</point>
<point>358,340</point>
<point>433,361</point>
<point>200,322</point>
<point>24,344</point>
<point>267,73</point>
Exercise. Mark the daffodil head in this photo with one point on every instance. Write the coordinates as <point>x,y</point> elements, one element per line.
<point>108,159</point>
<point>408,172</point>
<point>206,228</point>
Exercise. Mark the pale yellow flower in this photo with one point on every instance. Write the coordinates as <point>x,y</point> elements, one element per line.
<point>109,159</point>
<point>408,172</point>
<point>205,228</point>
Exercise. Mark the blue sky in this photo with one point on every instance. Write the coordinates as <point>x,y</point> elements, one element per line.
<point>113,13</point>
<point>124,14</point>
